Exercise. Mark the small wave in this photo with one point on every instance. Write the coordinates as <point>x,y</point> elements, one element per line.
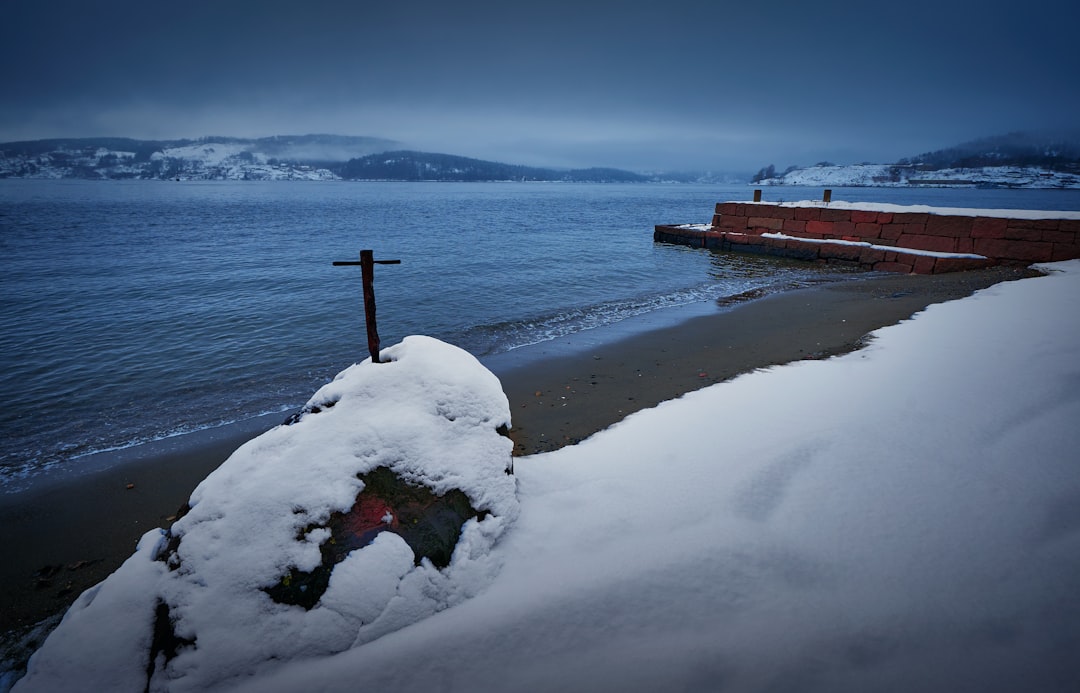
<point>182,431</point>
<point>495,338</point>
<point>18,476</point>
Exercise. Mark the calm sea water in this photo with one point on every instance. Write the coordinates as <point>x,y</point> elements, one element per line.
<point>133,311</point>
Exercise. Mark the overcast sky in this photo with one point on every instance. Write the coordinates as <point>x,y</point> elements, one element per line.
<point>670,84</point>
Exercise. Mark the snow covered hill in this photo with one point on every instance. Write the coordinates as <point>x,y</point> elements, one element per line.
<point>309,157</point>
<point>229,161</point>
<point>303,157</point>
<point>894,175</point>
<point>1013,160</point>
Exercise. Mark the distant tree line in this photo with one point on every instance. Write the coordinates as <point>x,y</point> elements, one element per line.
<point>1053,152</point>
<point>764,173</point>
<point>424,166</point>
<point>770,172</point>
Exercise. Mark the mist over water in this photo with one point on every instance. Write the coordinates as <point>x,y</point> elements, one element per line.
<point>138,310</point>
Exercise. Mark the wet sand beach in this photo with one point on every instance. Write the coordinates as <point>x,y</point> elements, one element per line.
<point>60,539</point>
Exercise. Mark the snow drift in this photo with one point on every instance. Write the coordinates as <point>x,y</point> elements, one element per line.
<point>902,518</point>
<point>222,594</point>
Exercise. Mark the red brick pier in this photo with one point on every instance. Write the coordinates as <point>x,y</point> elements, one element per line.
<point>923,240</point>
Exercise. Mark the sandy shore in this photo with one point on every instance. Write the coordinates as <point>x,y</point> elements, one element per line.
<point>59,540</point>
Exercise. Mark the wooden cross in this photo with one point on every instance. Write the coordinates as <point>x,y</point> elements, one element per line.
<point>367,272</point>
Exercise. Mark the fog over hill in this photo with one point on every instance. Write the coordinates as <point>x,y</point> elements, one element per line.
<point>1023,160</point>
<point>307,157</point>
<point>1015,160</point>
<point>1057,151</point>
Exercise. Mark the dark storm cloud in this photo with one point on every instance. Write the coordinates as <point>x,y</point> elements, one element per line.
<point>642,85</point>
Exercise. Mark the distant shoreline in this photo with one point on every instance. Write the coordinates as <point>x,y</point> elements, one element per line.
<point>1012,162</point>
<point>1006,177</point>
<point>913,185</point>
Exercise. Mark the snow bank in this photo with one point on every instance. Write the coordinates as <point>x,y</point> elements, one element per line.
<point>900,518</point>
<point>198,597</point>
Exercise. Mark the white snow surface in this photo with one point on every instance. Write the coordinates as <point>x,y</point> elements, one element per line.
<point>905,517</point>
<point>430,414</point>
<point>864,244</point>
<point>900,518</point>
<point>234,161</point>
<point>925,209</point>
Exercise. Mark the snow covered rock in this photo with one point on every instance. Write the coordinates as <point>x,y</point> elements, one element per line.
<point>375,507</point>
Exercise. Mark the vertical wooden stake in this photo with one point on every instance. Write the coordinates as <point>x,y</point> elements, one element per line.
<point>828,196</point>
<point>757,196</point>
<point>367,273</point>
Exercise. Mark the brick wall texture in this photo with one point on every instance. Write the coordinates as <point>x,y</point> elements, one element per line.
<point>739,226</point>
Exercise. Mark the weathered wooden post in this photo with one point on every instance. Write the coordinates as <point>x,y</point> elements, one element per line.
<point>828,196</point>
<point>367,273</point>
<point>757,196</point>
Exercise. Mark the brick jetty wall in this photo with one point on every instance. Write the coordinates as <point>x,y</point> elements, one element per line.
<point>919,242</point>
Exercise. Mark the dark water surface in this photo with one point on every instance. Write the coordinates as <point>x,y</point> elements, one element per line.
<point>137,310</point>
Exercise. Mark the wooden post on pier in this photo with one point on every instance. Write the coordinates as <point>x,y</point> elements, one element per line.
<point>367,273</point>
<point>827,198</point>
<point>757,196</point>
